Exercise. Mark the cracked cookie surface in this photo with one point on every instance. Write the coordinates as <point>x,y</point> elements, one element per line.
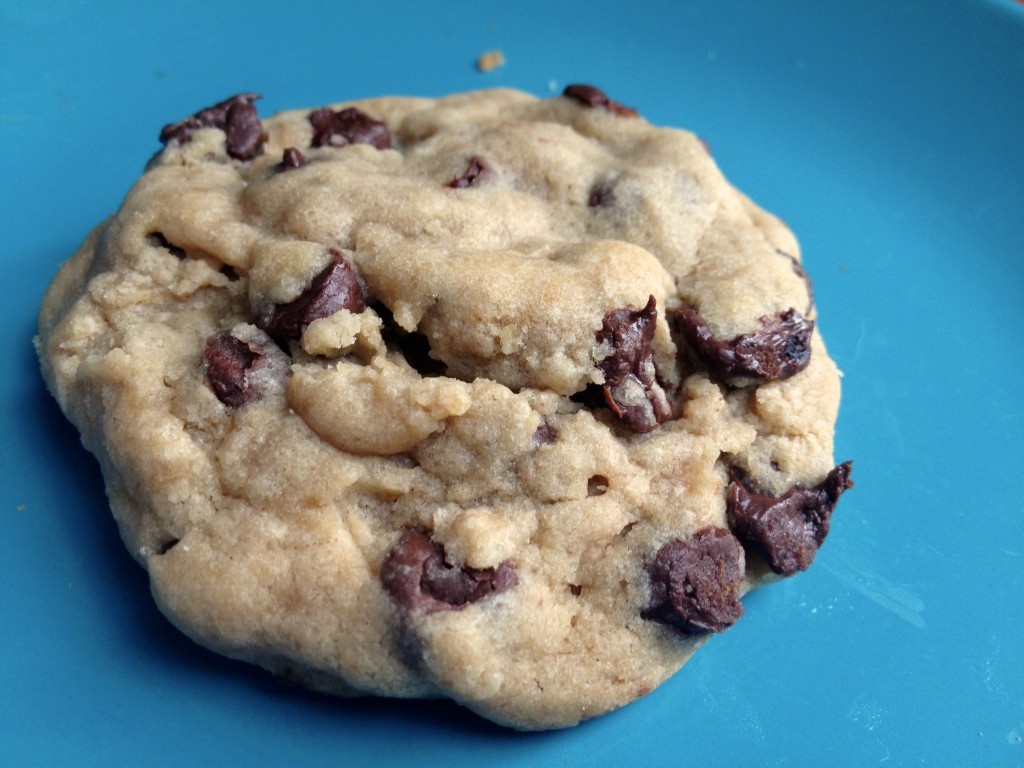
<point>492,397</point>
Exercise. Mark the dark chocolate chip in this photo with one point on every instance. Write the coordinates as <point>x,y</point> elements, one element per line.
<point>336,288</point>
<point>595,97</point>
<point>417,577</point>
<point>347,126</point>
<point>228,360</point>
<point>602,194</point>
<point>626,529</point>
<point>788,529</point>
<point>158,240</point>
<point>475,173</point>
<point>597,485</point>
<point>243,130</point>
<point>631,387</point>
<point>236,116</point>
<point>695,582</point>
<point>291,159</point>
<point>545,434</point>
<point>780,349</point>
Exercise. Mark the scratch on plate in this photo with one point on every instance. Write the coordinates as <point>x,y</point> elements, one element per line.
<point>894,598</point>
<point>860,340</point>
<point>865,712</point>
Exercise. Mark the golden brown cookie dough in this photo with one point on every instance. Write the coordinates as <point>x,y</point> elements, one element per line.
<point>490,397</point>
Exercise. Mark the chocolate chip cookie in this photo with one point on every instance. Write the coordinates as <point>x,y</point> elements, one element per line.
<point>491,397</point>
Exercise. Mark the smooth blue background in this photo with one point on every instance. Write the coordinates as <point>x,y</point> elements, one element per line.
<point>890,135</point>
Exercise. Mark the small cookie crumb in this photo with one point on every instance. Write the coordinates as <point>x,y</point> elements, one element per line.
<point>490,61</point>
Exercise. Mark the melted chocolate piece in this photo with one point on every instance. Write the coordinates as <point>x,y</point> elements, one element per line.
<point>418,579</point>
<point>475,173</point>
<point>291,159</point>
<point>236,116</point>
<point>336,288</point>
<point>695,582</point>
<point>595,97</point>
<point>780,349</point>
<point>789,529</point>
<point>228,360</point>
<point>347,126</point>
<point>602,195</point>
<point>631,388</point>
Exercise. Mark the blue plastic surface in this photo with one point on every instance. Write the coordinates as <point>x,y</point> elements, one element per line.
<point>889,135</point>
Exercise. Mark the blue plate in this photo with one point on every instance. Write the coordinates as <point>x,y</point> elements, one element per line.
<point>888,135</point>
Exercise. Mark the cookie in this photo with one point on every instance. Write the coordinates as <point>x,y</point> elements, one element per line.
<point>491,397</point>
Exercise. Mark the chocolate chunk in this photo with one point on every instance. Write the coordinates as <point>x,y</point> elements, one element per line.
<point>780,349</point>
<point>602,194</point>
<point>243,130</point>
<point>291,159</point>
<point>631,387</point>
<point>695,582</point>
<point>789,529</point>
<point>336,288</point>
<point>347,126</point>
<point>417,577</point>
<point>595,97</point>
<point>228,361</point>
<point>236,116</point>
<point>545,434</point>
<point>475,173</point>
<point>597,485</point>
